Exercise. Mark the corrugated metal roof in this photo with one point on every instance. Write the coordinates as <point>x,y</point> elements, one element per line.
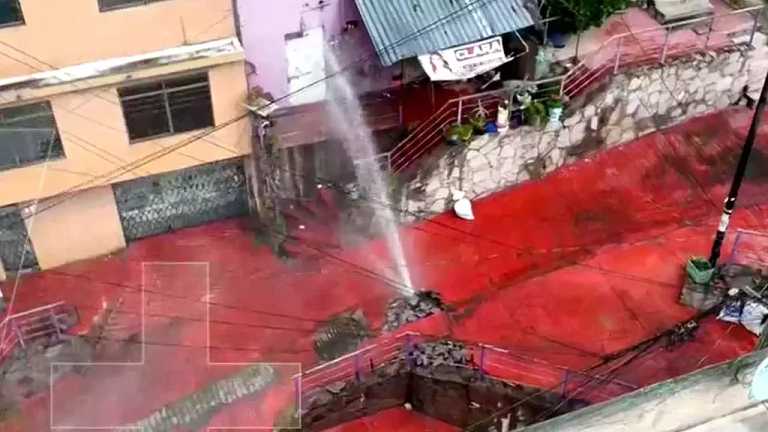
<point>408,28</point>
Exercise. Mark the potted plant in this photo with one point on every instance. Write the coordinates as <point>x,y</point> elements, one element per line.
<point>555,108</point>
<point>523,97</point>
<point>478,122</point>
<point>535,113</point>
<point>699,270</point>
<point>458,134</point>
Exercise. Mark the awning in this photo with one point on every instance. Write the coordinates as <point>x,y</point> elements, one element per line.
<point>408,28</point>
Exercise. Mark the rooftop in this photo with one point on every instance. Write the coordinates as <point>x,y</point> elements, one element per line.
<point>392,24</point>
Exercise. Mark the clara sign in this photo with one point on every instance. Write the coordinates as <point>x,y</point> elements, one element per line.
<point>464,61</point>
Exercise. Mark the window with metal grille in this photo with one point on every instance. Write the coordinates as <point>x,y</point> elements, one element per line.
<point>28,135</point>
<point>107,5</point>
<point>167,107</point>
<point>10,13</point>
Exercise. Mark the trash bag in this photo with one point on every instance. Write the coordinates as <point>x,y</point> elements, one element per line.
<point>462,206</point>
<point>749,314</point>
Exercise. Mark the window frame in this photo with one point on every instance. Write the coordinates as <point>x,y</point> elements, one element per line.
<point>127,5</point>
<point>21,22</point>
<point>48,158</point>
<point>166,103</point>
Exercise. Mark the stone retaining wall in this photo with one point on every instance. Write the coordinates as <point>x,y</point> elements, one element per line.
<point>624,107</point>
<point>461,397</point>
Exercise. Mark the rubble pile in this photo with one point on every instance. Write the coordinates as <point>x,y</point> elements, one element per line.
<point>404,310</point>
<point>341,335</point>
<point>433,354</point>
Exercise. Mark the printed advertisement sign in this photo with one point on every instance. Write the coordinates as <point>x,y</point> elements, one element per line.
<point>464,61</point>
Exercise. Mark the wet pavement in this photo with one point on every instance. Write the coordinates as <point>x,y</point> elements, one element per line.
<point>568,269</point>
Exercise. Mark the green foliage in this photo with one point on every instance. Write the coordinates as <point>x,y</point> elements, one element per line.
<point>478,122</point>
<point>535,113</point>
<point>460,132</point>
<point>579,15</point>
<point>554,102</point>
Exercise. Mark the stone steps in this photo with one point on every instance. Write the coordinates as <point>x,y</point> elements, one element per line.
<point>196,409</point>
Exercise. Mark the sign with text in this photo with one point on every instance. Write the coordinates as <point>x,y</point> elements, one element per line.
<point>464,61</point>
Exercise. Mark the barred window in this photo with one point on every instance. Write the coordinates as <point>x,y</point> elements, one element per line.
<point>10,13</point>
<point>107,5</point>
<point>167,107</point>
<point>28,135</point>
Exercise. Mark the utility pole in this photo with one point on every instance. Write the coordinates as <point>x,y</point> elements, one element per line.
<point>738,177</point>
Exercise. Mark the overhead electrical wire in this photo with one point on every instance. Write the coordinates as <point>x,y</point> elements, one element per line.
<point>140,162</point>
<point>199,136</point>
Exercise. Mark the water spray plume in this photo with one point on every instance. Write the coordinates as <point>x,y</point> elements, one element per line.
<point>349,123</point>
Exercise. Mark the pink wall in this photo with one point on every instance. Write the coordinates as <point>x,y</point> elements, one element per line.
<point>264,24</point>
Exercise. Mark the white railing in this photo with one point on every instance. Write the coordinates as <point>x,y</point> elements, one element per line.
<point>430,133</point>
<point>622,51</point>
<point>47,321</point>
<point>641,47</point>
<point>495,362</point>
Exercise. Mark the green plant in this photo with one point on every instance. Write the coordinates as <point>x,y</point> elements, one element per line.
<point>580,15</point>
<point>554,102</point>
<point>535,113</point>
<point>478,122</point>
<point>577,16</point>
<point>459,133</point>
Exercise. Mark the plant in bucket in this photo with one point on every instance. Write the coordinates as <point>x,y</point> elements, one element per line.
<point>479,119</point>
<point>535,114</point>
<point>555,109</point>
<point>456,134</point>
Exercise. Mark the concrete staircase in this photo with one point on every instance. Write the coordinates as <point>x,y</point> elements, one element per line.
<point>48,323</point>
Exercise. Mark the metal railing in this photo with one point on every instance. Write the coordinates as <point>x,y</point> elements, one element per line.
<point>47,321</point>
<point>381,161</point>
<point>495,362</point>
<point>430,133</point>
<point>619,52</point>
<point>750,248</point>
<point>642,47</point>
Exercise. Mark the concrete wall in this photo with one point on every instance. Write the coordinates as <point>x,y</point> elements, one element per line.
<point>59,33</point>
<point>95,140</point>
<point>264,38</point>
<point>84,226</point>
<point>711,400</point>
<point>627,106</point>
<point>89,117</point>
<point>458,396</point>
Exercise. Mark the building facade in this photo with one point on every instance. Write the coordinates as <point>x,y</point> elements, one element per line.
<point>292,48</point>
<point>103,108</point>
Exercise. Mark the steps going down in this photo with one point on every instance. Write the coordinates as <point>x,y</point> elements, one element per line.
<point>48,323</point>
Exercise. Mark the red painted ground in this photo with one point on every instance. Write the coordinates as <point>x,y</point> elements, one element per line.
<point>399,419</point>
<point>583,263</point>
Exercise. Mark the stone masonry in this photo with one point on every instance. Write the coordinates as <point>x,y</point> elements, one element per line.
<point>195,410</point>
<point>620,109</point>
